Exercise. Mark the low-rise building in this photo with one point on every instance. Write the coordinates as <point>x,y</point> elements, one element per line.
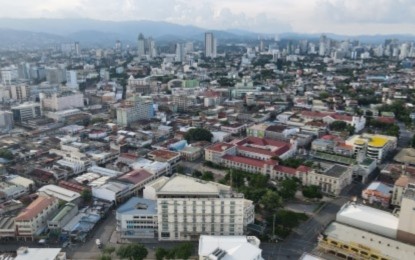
<point>33,219</point>
<point>26,253</point>
<point>191,153</point>
<point>63,216</point>
<point>229,248</point>
<point>137,218</point>
<point>173,158</point>
<point>378,193</point>
<point>61,193</point>
<point>331,180</point>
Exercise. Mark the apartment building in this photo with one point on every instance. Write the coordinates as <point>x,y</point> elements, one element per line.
<point>134,109</point>
<point>62,101</point>
<point>188,207</point>
<point>33,219</point>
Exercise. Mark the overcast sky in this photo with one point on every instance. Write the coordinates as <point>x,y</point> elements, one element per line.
<point>265,16</point>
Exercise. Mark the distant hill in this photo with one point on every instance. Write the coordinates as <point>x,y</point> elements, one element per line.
<point>27,32</point>
<point>27,39</point>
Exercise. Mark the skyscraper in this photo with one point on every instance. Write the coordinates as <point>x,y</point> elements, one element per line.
<point>210,45</point>
<point>141,45</point>
<point>77,48</point>
<point>179,53</point>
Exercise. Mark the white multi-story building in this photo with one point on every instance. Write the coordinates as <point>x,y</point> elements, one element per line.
<point>210,45</point>
<point>19,92</point>
<point>33,220</point>
<point>134,109</point>
<point>72,79</point>
<point>25,112</point>
<point>62,101</point>
<point>137,218</point>
<point>188,207</point>
<point>8,74</point>
<point>332,180</point>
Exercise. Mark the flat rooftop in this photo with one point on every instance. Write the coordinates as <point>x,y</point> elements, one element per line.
<point>336,170</point>
<point>139,206</point>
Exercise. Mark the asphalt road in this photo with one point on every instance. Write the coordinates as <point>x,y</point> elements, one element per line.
<point>304,237</point>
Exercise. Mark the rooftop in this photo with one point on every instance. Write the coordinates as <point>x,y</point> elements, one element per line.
<point>336,170</point>
<point>220,147</point>
<point>34,208</point>
<point>138,206</point>
<point>369,219</point>
<point>163,154</point>
<point>135,176</point>
<point>25,253</point>
<point>59,192</point>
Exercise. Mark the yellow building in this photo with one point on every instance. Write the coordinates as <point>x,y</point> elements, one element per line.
<point>375,146</point>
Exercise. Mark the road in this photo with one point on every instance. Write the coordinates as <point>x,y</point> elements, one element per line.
<point>405,136</point>
<point>304,237</point>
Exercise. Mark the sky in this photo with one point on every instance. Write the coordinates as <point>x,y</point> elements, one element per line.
<point>350,17</point>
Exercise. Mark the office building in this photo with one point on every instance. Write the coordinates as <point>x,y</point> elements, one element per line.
<point>72,79</point>
<point>179,53</point>
<point>134,109</point>
<point>26,111</point>
<point>188,207</point>
<point>20,92</point>
<point>137,218</point>
<point>6,121</point>
<point>62,101</point>
<point>55,76</point>
<point>141,45</point>
<point>210,45</point>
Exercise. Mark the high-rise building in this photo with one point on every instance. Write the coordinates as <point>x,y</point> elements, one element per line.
<point>6,121</point>
<point>152,50</point>
<point>77,49</point>
<point>134,109</point>
<point>179,53</point>
<point>141,47</point>
<point>55,75</point>
<point>210,45</point>
<point>20,92</point>
<point>118,45</point>
<point>72,79</point>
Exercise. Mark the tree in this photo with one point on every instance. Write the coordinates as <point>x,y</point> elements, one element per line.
<point>161,253</point>
<point>105,257</point>
<point>132,252</point>
<point>97,120</point>
<point>413,141</point>
<point>198,134</point>
<point>288,188</point>
<point>271,200</point>
<point>6,154</point>
<point>109,250</point>
<point>312,191</point>
<point>208,176</point>
<point>86,195</point>
<point>324,95</point>
<point>183,251</point>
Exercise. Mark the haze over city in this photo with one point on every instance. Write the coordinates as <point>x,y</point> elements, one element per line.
<point>350,17</point>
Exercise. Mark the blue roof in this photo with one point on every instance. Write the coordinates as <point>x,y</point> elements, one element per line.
<point>138,206</point>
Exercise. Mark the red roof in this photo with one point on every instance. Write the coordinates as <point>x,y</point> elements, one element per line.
<point>165,154</point>
<point>342,117</point>
<point>285,169</point>
<point>248,161</point>
<point>72,186</point>
<point>315,114</point>
<point>261,146</point>
<point>34,208</point>
<point>136,176</point>
<point>129,156</point>
<point>303,168</point>
<point>386,120</point>
<point>220,147</point>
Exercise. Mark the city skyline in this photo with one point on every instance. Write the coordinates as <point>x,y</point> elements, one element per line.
<point>352,17</point>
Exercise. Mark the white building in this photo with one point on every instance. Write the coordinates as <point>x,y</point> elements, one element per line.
<point>332,180</point>
<point>72,79</point>
<point>19,92</point>
<point>375,146</point>
<point>62,101</point>
<point>229,248</point>
<point>26,111</point>
<point>210,45</point>
<point>188,207</point>
<point>26,253</point>
<point>60,193</point>
<point>137,218</point>
<point>134,109</point>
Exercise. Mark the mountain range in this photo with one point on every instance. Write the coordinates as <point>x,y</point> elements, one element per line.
<point>36,31</point>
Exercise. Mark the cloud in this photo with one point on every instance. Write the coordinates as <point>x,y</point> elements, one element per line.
<point>264,16</point>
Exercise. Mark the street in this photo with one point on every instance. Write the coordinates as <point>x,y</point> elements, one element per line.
<point>304,237</point>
